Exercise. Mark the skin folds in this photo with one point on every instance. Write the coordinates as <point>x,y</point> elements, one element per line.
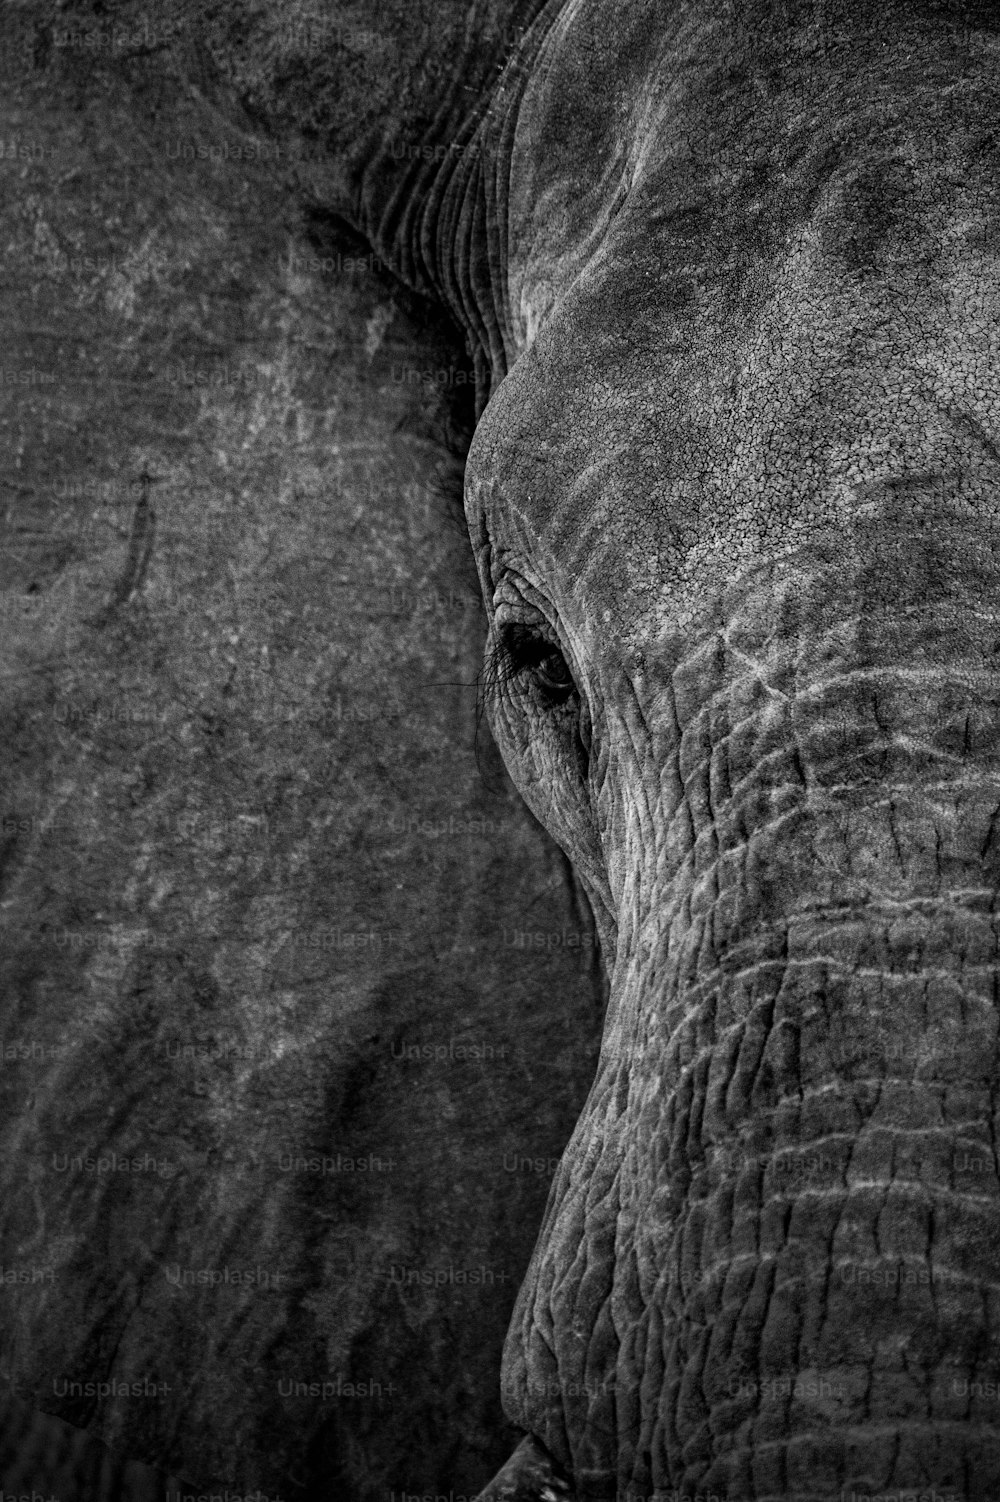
<point>741,478</point>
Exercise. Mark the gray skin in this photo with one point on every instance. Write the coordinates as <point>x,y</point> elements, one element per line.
<point>734,508</point>
<point>742,478</point>
<point>728,274</point>
<point>233,737</point>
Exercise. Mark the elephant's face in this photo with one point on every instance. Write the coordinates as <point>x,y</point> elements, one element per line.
<point>735,510</point>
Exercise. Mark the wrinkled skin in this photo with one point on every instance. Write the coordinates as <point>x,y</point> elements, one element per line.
<point>729,280</point>
<point>742,480</point>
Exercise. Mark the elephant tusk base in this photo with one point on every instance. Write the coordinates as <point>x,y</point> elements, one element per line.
<point>530,1475</point>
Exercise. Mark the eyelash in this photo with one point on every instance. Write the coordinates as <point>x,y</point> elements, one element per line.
<point>515,648</point>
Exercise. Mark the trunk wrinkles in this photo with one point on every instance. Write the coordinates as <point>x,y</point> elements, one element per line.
<point>770,1264</point>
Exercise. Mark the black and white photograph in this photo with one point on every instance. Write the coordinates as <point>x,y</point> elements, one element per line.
<point>499,750</point>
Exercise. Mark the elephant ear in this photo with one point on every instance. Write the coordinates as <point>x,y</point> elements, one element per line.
<point>297,1005</point>
<point>369,104</point>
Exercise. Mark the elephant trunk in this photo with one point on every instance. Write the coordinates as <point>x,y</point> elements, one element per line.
<point>823,1213</point>
<point>786,1288</point>
<point>771,1258</point>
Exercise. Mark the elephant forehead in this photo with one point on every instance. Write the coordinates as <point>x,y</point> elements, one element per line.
<point>659,472</point>
<point>728,371</point>
<point>725,126</point>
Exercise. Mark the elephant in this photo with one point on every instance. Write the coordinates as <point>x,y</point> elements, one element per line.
<point>743,667</point>
<point>727,276</point>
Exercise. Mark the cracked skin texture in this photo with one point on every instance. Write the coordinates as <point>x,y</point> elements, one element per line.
<point>743,470</point>
<point>728,275</point>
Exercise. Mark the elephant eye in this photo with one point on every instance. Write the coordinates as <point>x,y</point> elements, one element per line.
<point>522,649</point>
<point>552,672</point>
